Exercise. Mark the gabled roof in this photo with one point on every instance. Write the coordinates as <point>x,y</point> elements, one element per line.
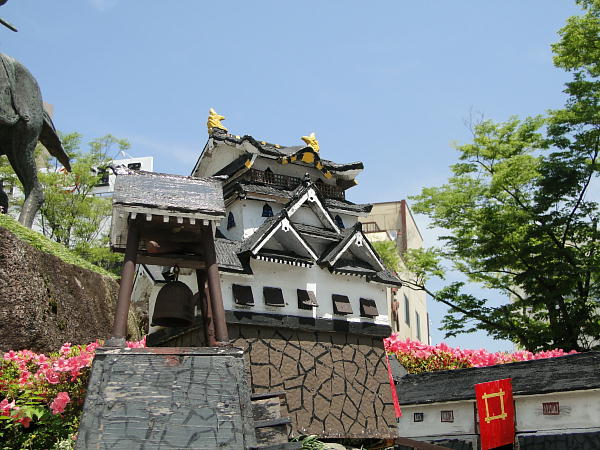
<point>309,194</point>
<point>353,243</point>
<point>272,227</point>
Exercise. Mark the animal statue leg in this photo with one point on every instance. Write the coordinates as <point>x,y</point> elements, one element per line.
<point>21,155</point>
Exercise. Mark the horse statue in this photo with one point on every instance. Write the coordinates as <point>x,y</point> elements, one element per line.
<point>24,122</point>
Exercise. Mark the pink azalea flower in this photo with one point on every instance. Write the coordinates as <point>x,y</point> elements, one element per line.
<point>60,402</point>
<point>11,355</point>
<point>138,344</point>
<point>6,406</point>
<point>52,377</point>
<point>66,348</point>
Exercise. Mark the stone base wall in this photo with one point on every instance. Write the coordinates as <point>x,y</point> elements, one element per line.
<point>45,302</point>
<point>336,383</point>
<point>167,398</point>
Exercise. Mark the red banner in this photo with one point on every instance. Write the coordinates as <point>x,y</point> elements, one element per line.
<point>393,388</point>
<point>496,412</point>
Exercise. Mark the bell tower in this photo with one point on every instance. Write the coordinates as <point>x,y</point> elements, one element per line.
<point>169,220</point>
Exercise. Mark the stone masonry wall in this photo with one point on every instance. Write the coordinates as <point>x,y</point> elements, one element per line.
<point>336,384</point>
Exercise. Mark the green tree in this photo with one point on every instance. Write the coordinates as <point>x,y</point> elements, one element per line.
<point>71,213</point>
<point>389,254</point>
<point>520,213</point>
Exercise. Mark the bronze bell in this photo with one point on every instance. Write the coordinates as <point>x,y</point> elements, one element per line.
<point>175,305</point>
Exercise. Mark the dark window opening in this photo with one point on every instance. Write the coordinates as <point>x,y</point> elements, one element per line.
<point>341,304</point>
<point>230,221</point>
<point>447,416</point>
<point>306,299</point>
<point>418,417</point>
<point>406,310</point>
<point>267,210</point>
<point>134,166</point>
<point>418,325</point>
<point>243,295</point>
<point>339,222</point>
<point>103,174</point>
<point>273,296</point>
<point>551,409</point>
<point>368,308</point>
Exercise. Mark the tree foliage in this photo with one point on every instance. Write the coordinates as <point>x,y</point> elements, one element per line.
<point>71,213</point>
<point>520,212</point>
<point>389,254</point>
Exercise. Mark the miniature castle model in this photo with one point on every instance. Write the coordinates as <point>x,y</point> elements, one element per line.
<point>291,244</point>
<point>304,292</point>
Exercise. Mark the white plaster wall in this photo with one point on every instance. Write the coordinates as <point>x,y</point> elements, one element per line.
<point>290,278</point>
<point>579,409</point>
<point>235,233</point>
<point>217,158</point>
<point>307,216</point>
<point>348,220</point>
<point>252,212</point>
<point>464,420</point>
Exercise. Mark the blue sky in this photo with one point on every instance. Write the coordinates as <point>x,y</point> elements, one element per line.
<point>389,83</point>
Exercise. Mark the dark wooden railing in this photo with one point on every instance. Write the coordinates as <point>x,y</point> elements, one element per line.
<point>287,182</point>
<point>370,227</point>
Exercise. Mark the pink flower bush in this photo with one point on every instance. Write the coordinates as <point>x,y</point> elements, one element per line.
<point>417,357</point>
<point>45,390</point>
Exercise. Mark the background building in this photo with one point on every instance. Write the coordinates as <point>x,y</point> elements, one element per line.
<point>393,221</point>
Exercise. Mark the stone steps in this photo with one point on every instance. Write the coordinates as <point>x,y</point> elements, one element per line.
<point>272,430</point>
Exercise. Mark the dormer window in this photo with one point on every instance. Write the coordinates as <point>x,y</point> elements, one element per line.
<point>267,210</point>
<point>230,221</point>
<point>339,222</point>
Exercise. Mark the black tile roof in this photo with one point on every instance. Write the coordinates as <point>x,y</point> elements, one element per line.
<point>313,231</point>
<point>565,373</point>
<point>170,192</point>
<point>255,188</point>
<point>228,258</point>
<point>287,256</point>
<point>345,205</point>
<point>356,267</point>
<point>386,277</point>
<point>280,151</point>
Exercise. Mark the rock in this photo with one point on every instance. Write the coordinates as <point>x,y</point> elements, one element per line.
<point>45,302</point>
